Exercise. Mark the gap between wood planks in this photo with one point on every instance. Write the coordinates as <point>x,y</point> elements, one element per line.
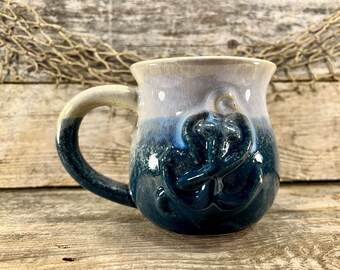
<point>299,183</point>
<point>70,83</point>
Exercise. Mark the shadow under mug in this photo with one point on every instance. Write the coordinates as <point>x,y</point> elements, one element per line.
<point>204,158</point>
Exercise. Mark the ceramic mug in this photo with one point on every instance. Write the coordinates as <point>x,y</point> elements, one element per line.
<point>204,158</point>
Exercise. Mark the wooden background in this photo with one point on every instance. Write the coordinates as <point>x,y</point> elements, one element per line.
<point>73,229</point>
<point>306,123</point>
<point>62,226</point>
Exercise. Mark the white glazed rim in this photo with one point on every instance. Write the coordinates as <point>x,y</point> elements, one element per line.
<point>204,59</point>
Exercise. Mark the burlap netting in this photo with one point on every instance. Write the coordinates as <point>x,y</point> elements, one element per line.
<point>62,56</point>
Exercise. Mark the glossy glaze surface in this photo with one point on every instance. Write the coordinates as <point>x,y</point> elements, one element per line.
<point>221,180</point>
<point>204,158</point>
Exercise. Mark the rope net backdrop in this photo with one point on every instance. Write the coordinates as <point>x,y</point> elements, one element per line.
<point>61,56</point>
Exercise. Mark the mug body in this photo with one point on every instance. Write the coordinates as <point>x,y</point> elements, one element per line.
<point>204,159</point>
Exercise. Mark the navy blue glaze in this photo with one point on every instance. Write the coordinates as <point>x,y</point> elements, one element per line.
<point>196,188</point>
<point>81,171</point>
<point>215,174</point>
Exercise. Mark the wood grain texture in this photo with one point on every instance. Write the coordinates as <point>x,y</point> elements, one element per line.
<point>176,28</point>
<point>74,229</point>
<point>307,127</point>
<point>28,117</point>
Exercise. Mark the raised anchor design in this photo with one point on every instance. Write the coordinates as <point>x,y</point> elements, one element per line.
<point>218,148</point>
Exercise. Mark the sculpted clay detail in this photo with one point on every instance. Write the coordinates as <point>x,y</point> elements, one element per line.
<point>216,146</point>
<point>203,159</point>
<point>203,179</point>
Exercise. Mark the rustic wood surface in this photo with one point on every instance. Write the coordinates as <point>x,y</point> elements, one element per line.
<point>176,28</point>
<point>74,229</point>
<point>70,228</point>
<point>306,122</point>
<point>28,154</point>
<point>307,135</point>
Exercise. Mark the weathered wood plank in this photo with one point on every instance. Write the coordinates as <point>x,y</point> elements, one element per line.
<point>177,28</point>
<point>74,229</point>
<point>306,125</point>
<point>28,124</point>
<point>307,129</point>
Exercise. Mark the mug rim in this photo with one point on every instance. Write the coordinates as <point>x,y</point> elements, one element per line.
<point>206,59</point>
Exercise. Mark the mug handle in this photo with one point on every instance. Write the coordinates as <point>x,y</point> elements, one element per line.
<point>68,146</point>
